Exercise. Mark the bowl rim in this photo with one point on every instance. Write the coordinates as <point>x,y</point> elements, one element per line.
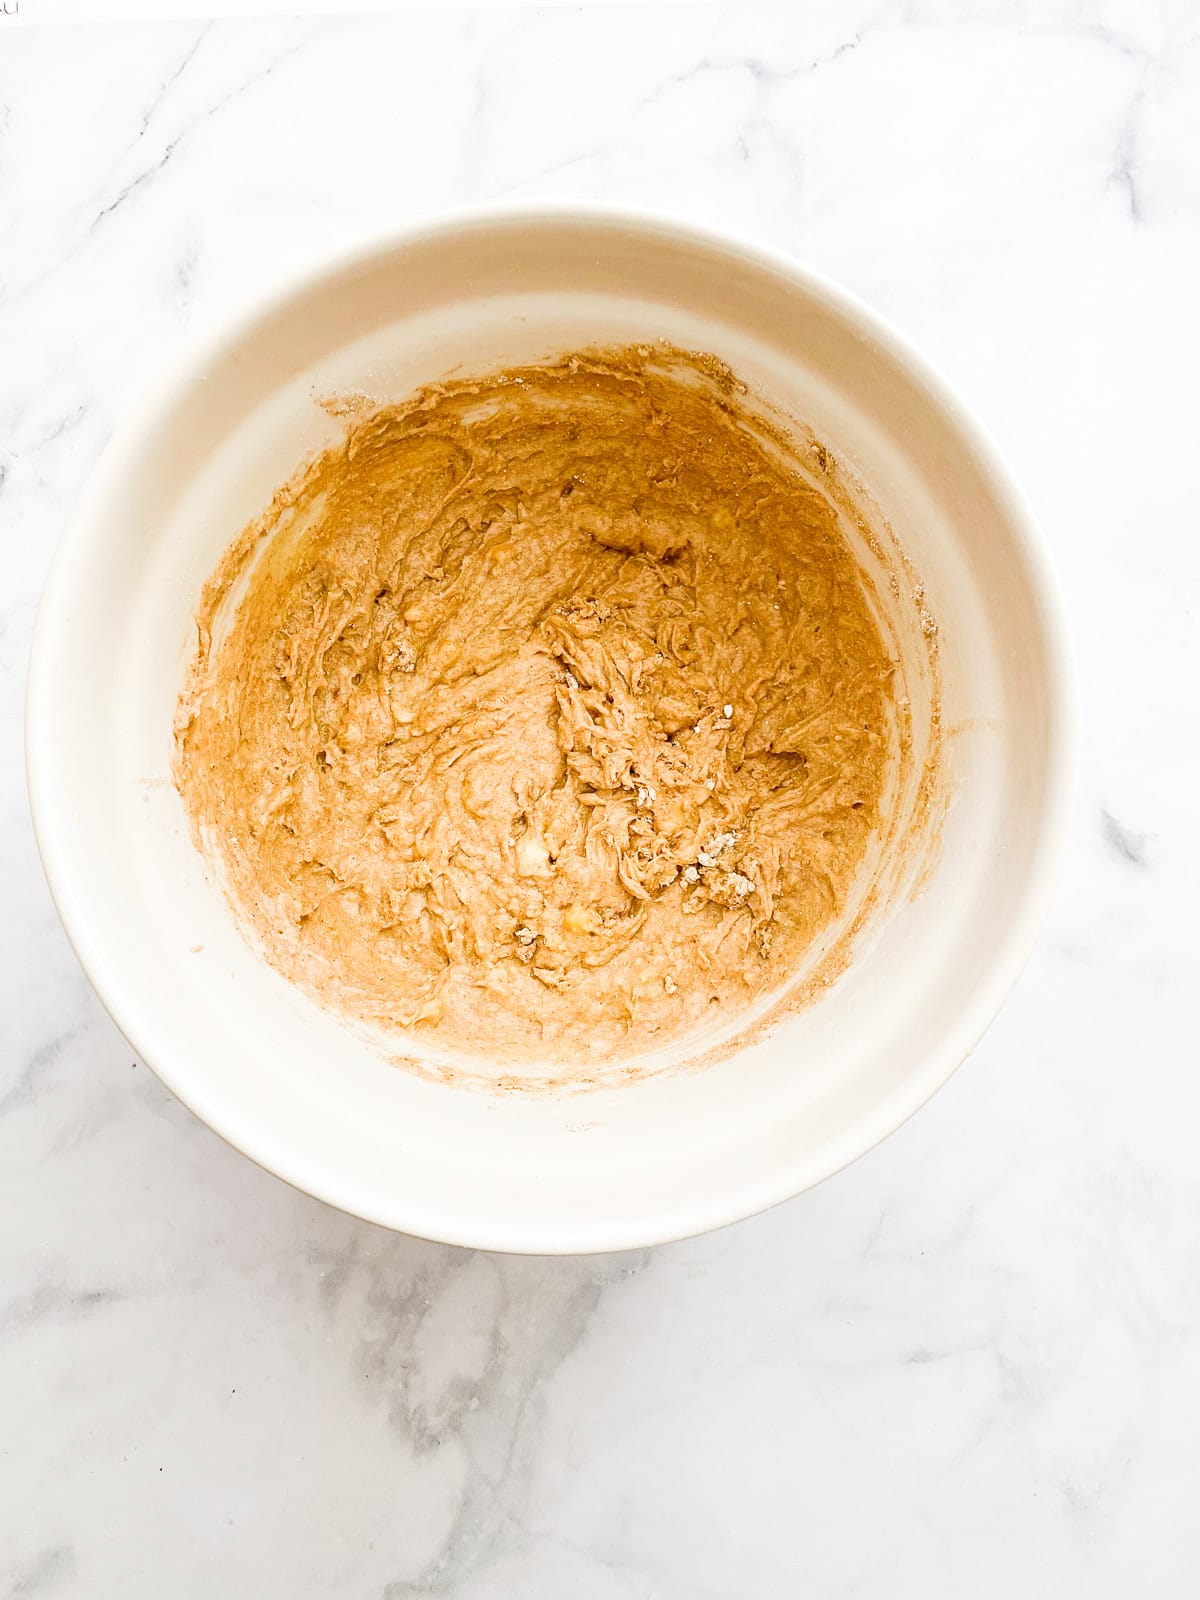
<point>971,1015</point>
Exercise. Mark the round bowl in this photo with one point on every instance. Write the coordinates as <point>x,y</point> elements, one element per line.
<point>635,1162</point>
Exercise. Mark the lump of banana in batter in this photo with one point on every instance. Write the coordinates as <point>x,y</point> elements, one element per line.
<point>552,721</point>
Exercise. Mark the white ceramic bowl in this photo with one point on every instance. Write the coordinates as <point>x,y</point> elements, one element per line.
<point>617,1167</point>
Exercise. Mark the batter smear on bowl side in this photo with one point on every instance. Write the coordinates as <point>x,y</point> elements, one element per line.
<point>547,716</point>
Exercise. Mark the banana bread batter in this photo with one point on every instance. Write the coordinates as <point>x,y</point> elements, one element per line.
<point>551,718</point>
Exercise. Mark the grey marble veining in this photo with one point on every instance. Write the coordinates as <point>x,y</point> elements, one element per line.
<point>969,1365</point>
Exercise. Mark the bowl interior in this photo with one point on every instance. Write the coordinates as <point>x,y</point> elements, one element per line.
<point>632,1162</point>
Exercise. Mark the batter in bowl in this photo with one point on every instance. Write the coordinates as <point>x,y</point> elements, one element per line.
<point>552,719</point>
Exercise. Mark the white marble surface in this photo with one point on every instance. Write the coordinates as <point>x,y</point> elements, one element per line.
<point>971,1364</point>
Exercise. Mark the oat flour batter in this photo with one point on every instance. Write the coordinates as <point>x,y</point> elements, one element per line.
<point>553,721</point>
